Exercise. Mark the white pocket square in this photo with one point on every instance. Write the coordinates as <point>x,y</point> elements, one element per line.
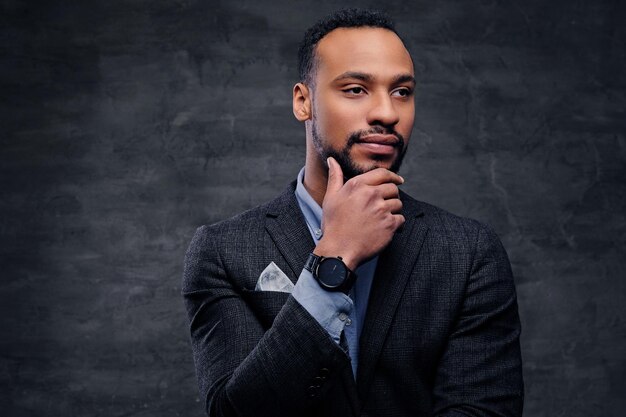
<point>273,279</point>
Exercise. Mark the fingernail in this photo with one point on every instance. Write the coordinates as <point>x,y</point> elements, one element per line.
<point>401,179</point>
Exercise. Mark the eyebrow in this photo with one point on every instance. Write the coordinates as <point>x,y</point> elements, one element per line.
<point>398,79</point>
<point>404,78</point>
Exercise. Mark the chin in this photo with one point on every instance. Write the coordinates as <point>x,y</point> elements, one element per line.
<point>370,165</point>
<point>353,169</point>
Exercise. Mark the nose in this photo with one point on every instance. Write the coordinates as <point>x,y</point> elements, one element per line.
<point>383,111</point>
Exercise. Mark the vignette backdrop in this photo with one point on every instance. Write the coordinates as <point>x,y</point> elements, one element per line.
<point>127,124</point>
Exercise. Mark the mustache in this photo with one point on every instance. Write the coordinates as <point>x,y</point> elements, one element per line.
<point>355,137</point>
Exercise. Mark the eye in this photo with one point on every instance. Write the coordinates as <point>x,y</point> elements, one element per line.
<point>355,90</point>
<point>402,92</point>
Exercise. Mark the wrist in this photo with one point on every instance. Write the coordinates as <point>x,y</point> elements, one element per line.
<point>329,250</point>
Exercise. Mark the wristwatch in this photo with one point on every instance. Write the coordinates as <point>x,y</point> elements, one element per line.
<point>331,274</point>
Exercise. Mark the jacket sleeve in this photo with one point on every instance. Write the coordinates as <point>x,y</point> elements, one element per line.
<point>480,373</point>
<point>243,368</point>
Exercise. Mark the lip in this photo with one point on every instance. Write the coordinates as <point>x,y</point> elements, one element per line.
<point>379,139</point>
<point>379,144</point>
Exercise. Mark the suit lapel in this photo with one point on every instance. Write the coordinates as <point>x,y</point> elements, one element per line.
<point>286,226</point>
<point>395,264</point>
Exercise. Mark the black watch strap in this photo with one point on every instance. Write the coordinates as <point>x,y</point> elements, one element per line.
<point>311,262</point>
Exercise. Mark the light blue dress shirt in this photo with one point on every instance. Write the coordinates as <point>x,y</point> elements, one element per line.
<point>335,311</point>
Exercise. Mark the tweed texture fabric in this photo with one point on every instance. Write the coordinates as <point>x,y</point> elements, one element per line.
<point>441,333</point>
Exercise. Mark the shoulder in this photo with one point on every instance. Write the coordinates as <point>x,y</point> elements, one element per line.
<point>461,244</point>
<point>447,227</point>
<point>248,224</point>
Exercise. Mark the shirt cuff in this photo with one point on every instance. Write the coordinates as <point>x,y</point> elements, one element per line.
<point>330,309</point>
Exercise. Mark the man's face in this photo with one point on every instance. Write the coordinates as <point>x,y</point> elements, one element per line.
<point>362,104</point>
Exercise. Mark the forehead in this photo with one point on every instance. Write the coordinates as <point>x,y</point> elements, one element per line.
<point>375,51</point>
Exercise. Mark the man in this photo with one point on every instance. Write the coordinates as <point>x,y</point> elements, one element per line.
<point>398,309</point>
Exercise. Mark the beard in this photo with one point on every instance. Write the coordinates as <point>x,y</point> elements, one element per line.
<point>342,156</point>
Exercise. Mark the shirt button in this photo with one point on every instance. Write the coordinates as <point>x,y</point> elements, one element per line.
<point>348,321</point>
<point>343,316</point>
<point>318,233</point>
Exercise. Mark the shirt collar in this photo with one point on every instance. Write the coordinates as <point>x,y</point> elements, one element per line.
<point>310,209</point>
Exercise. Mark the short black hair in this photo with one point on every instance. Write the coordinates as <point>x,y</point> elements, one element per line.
<point>345,18</point>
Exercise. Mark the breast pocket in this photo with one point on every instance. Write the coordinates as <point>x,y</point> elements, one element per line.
<point>265,304</point>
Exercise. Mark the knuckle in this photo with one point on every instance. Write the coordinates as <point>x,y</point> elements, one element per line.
<point>381,174</point>
<point>354,183</point>
<point>389,221</point>
<point>370,192</point>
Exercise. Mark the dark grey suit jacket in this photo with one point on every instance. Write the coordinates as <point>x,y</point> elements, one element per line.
<point>441,334</point>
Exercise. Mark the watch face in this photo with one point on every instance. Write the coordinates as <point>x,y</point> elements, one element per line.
<point>331,272</point>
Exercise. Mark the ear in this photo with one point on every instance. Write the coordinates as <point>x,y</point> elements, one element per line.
<point>301,102</point>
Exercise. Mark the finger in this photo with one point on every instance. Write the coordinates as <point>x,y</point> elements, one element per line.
<point>399,219</point>
<point>379,176</point>
<point>335,176</point>
<point>388,190</point>
<point>394,205</point>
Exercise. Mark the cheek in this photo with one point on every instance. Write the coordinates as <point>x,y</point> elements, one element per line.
<point>338,118</point>
<point>406,123</point>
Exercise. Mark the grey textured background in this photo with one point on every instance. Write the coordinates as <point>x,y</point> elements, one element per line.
<point>126,124</point>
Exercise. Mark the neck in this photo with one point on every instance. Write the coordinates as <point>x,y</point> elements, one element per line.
<point>315,175</point>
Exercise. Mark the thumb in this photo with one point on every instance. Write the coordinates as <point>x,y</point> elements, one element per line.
<point>335,175</point>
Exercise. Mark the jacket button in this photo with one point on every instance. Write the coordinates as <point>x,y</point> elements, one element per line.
<point>318,381</point>
<point>312,391</point>
<point>324,372</point>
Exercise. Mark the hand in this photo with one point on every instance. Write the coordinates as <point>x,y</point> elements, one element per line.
<point>360,216</point>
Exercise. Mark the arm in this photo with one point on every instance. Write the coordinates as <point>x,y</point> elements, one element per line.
<point>480,373</point>
<point>324,306</point>
<point>243,369</point>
